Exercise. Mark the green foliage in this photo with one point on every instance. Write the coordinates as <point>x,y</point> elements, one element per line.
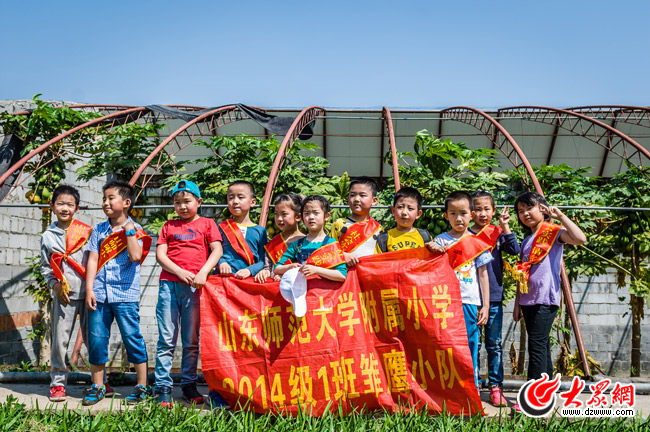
<point>437,168</point>
<point>37,286</point>
<point>44,123</point>
<point>122,151</point>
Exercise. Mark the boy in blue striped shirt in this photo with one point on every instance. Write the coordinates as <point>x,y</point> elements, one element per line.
<point>116,249</point>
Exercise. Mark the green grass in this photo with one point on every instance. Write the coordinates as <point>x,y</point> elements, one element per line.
<point>17,417</point>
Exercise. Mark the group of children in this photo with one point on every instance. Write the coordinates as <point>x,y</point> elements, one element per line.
<point>100,282</point>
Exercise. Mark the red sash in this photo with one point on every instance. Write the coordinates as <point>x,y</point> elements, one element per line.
<point>465,250</point>
<point>490,234</point>
<point>76,236</point>
<point>237,240</point>
<point>357,233</point>
<point>276,248</point>
<point>327,256</point>
<point>114,244</point>
<point>542,244</point>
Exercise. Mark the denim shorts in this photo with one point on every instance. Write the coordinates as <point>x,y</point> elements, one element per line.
<point>99,331</point>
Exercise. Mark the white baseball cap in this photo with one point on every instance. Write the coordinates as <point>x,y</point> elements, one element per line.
<point>293,288</point>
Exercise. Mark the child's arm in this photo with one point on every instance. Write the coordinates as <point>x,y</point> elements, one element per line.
<point>133,247</point>
<point>187,277</point>
<point>48,275</point>
<point>91,272</point>
<point>330,274</point>
<point>484,284</point>
<point>509,244</point>
<point>213,259</point>
<point>282,269</point>
<point>573,235</point>
<point>255,268</point>
<point>290,255</point>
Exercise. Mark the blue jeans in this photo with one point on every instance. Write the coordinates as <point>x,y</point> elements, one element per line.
<point>99,331</point>
<point>493,330</point>
<point>177,303</point>
<point>470,313</point>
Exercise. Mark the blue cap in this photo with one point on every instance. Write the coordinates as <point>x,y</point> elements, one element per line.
<point>186,185</point>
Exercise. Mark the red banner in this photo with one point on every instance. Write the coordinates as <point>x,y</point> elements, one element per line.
<point>392,336</point>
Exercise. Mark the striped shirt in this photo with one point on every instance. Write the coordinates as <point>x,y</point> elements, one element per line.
<point>118,281</point>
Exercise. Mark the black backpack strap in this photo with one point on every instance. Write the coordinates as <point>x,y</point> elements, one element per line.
<point>425,235</point>
<point>382,241</point>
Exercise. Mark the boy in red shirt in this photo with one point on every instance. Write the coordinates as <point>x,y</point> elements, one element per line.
<point>188,249</point>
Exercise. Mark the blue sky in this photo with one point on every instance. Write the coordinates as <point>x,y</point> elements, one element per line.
<point>402,54</point>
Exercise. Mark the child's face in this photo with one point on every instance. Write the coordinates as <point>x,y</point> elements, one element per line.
<point>240,199</point>
<point>459,215</point>
<point>113,204</point>
<point>314,217</point>
<point>286,217</point>
<point>186,205</point>
<point>483,211</point>
<point>360,199</point>
<point>406,212</point>
<point>530,216</point>
<point>64,207</point>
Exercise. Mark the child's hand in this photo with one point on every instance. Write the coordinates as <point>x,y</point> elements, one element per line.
<point>91,301</point>
<point>350,259</point>
<point>225,269</point>
<point>129,225</point>
<point>483,314</point>
<point>277,278</point>
<point>58,290</point>
<point>262,276</point>
<point>199,280</point>
<point>553,212</point>
<point>187,277</point>
<point>435,247</point>
<point>309,270</point>
<point>504,217</point>
<point>243,274</point>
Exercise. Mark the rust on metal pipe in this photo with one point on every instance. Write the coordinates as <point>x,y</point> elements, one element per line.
<point>305,117</point>
<point>388,120</point>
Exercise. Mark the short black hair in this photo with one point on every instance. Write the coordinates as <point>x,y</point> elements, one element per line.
<point>481,193</point>
<point>321,199</point>
<point>294,199</point>
<point>531,199</point>
<point>66,190</point>
<point>245,183</point>
<point>125,190</point>
<point>367,181</point>
<point>408,192</point>
<point>458,196</point>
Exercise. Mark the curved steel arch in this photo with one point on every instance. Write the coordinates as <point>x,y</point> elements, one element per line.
<point>499,136</point>
<point>503,140</point>
<point>604,135</point>
<point>209,122</point>
<point>306,116</point>
<point>633,115</point>
<point>113,117</point>
<point>388,121</point>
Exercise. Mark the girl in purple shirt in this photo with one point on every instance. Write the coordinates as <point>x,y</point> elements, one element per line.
<point>540,304</point>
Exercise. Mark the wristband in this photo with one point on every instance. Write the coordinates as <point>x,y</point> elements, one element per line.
<point>130,232</point>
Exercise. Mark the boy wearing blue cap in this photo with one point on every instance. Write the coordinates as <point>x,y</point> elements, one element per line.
<point>188,249</point>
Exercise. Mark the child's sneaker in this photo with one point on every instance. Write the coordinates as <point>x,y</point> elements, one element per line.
<point>93,394</point>
<point>216,401</point>
<point>191,394</point>
<point>164,397</point>
<point>109,390</point>
<point>516,409</point>
<point>496,396</point>
<point>57,394</point>
<point>139,394</point>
